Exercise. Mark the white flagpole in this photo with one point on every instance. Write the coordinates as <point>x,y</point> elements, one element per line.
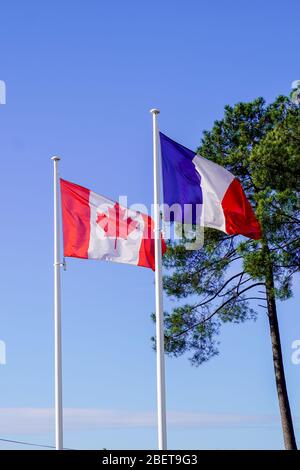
<point>160,359</point>
<point>57,315</point>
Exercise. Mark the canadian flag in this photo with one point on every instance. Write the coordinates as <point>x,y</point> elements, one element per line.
<point>95,227</point>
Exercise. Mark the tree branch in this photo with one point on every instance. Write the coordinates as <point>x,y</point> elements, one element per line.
<point>220,290</point>
<point>234,297</point>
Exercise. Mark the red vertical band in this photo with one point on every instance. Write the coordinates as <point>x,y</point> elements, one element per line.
<point>239,215</point>
<point>76,219</point>
<point>147,248</point>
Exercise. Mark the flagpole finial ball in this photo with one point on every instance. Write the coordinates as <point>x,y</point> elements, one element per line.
<point>154,111</point>
<point>55,158</point>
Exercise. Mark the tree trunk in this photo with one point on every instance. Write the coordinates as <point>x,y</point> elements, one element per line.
<point>284,405</point>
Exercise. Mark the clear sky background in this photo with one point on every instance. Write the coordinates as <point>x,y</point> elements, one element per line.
<point>81,77</point>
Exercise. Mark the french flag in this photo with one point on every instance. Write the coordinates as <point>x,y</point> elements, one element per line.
<point>204,193</point>
<point>94,227</point>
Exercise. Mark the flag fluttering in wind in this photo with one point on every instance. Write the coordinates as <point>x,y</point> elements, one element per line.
<point>95,227</point>
<point>204,193</point>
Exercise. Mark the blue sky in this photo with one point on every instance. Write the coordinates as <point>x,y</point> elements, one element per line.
<point>81,78</point>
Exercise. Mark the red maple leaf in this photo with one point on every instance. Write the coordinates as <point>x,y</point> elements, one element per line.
<point>116,224</point>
